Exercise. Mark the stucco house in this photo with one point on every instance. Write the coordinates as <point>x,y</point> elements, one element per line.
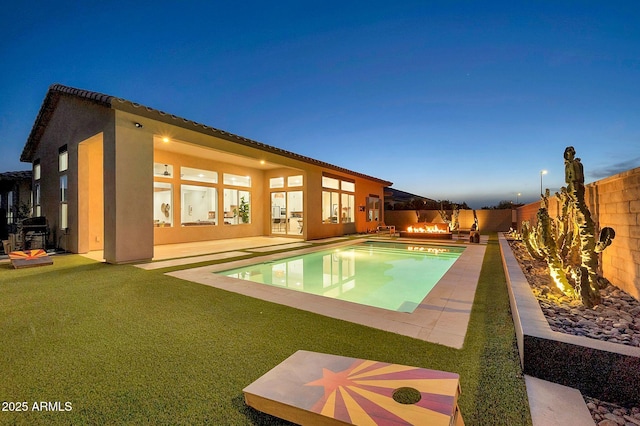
<point>110,174</point>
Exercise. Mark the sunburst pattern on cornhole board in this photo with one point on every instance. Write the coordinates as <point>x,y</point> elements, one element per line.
<point>315,388</point>
<point>28,258</point>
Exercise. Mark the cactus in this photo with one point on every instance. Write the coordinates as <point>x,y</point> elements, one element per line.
<point>530,241</point>
<point>455,224</point>
<point>568,242</point>
<point>547,241</point>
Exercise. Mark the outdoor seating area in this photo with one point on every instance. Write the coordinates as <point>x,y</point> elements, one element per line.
<point>386,229</point>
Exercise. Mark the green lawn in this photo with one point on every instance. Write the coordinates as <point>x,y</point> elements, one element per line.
<point>124,345</point>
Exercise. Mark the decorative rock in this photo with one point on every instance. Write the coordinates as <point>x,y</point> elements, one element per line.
<point>617,419</point>
<point>632,420</point>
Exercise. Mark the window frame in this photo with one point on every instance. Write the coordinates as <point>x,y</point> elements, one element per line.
<point>64,201</point>
<point>165,208</point>
<point>63,159</point>
<point>212,211</point>
<point>345,189</point>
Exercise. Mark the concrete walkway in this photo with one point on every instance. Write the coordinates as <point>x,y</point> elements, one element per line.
<point>202,248</point>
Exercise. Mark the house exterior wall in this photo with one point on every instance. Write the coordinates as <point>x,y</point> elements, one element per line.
<point>614,202</point>
<point>73,121</point>
<point>260,219</point>
<point>363,189</point>
<point>110,195</point>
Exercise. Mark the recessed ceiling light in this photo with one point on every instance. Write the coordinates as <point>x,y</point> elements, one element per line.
<point>165,140</point>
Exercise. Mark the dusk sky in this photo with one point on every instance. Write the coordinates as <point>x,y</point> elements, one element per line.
<point>464,101</point>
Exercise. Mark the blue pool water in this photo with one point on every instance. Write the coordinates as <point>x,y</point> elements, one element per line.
<point>394,276</point>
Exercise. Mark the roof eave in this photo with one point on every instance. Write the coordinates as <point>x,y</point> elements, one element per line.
<point>46,111</point>
<point>57,90</point>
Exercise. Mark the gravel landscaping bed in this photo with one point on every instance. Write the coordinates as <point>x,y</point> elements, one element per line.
<point>615,320</point>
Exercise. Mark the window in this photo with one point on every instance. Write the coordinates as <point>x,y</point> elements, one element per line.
<point>338,207</point>
<point>199,205</point>
<point>373,209</point>
<point>237,207</point>
<point>347,208</point>
<point>63,159</point>
<point>63,165</point>
<point>276,182</point>
<point>331,183</point>
<point>36,199</point>
<point>237,180</point>
<point>330,207</point>
<point>293,181</point>
<point>347,186</point>
<point>162,204</point>
<point>36,170</point>
<point>198,175</point>
<point>10,216</point>
<point>162,170</point>
<point>63,202</point>
<point>63,188</point>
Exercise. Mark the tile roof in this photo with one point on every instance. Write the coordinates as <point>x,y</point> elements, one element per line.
<point>57,90</point>
<point>20,175</point>
<point>397,195</point>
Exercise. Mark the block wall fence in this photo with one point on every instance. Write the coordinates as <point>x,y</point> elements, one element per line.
<point>614,202</point>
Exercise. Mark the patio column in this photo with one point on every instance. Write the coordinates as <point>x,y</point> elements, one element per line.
<point>128,195</point>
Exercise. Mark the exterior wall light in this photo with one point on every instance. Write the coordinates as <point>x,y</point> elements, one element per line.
<point>138,125</point>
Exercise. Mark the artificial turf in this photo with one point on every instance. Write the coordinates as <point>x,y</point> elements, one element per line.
<point>117,345</point>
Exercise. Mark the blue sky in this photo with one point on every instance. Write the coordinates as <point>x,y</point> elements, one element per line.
<point>465,101</point>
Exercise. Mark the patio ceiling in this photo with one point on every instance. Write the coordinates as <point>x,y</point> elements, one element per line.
<point>186,148</point>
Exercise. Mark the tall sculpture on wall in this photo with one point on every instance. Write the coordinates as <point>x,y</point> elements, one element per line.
<point>568,243</point>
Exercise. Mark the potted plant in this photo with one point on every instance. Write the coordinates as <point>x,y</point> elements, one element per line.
<point>243,210</point>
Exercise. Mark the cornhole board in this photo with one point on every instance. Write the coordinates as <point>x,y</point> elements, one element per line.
<point>29,258</point>
<point>323,389</point>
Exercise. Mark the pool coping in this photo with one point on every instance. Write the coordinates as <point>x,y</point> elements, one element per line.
<point>442,317</point>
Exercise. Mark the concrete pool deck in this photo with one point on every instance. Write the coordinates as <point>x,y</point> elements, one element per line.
<point>442,317</point>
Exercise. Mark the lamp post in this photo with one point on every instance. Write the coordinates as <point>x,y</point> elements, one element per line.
<point>542,172</point>
<point>517,197</point>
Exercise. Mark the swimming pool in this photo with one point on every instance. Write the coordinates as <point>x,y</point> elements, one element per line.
<point>393,276</point>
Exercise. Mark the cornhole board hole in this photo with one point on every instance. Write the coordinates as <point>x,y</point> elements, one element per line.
<point>29,258</point>
<point>322,389</point>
